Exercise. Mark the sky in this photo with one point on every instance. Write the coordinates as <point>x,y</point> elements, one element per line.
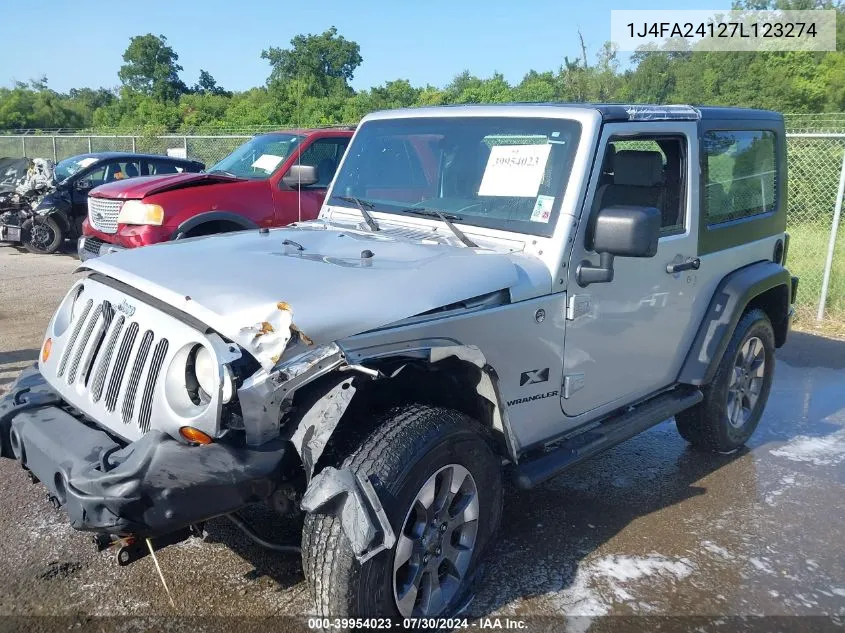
<point>80,43</point>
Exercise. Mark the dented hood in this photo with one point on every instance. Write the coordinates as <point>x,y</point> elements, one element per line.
<point>248,284</point>
<point>136,188</point>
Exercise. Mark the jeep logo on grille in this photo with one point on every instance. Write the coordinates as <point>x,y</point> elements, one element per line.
<point>127,308</point>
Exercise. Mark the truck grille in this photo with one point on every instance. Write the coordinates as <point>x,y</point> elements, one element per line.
<point>110,360</point>
<point>102,213</point>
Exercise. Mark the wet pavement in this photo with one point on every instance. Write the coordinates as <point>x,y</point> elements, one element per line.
<point>650,527</point>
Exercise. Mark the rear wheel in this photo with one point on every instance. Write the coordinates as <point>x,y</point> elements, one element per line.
<point>734,401</point>
<point>43,235</point>
<point>441,488</point>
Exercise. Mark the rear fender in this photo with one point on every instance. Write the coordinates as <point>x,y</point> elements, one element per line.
<point>763,284</point>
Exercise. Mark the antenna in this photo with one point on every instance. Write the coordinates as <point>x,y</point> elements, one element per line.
<point>299,155</point>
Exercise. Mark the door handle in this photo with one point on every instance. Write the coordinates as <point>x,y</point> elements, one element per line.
<point>690,263</point>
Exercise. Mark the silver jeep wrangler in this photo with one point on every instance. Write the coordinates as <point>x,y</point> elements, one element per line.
<point>489,291</point>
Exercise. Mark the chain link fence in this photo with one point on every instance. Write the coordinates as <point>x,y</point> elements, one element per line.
<point>208,149</point>
<point>816,249</point>
<point>815,153</point>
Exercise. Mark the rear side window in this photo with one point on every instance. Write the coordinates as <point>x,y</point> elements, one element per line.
<point>159,167</point>
<point>741,174</point>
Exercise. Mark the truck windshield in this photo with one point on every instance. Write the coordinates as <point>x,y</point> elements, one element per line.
<point>499,172</point>
<point>260,157</point>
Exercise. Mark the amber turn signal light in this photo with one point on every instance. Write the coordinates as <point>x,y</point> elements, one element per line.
<point>195,436</point>
<point>46,349</point>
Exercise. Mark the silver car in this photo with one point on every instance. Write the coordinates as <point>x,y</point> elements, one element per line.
<point>489,292</point>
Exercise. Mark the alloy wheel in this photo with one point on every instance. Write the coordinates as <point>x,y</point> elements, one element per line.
<point>746,381</point>
<point>436,544</point>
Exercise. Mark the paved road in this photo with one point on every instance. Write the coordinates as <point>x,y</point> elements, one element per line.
<point>648,528</point>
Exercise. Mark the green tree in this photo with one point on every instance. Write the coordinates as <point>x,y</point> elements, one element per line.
<point>536,87</point>
<point>151,68</point>
<point>325,63</point>
<point>207,84</point>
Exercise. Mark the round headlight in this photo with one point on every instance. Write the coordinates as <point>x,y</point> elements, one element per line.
<point>205,369</point>
<point>205,372</point>
<point>67,311</point>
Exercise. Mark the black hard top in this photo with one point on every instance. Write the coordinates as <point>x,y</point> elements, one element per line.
<point>112,155</point>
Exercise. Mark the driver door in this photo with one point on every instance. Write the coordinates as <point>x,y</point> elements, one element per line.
<point>627,338</point>
<point>304,203</point>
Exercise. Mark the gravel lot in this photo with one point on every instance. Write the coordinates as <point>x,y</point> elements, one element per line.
<point>650,527</point>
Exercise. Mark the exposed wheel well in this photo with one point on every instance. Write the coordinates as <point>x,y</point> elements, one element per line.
<point>775,303</point>
<point>450,383</point>
<point>212,227</point>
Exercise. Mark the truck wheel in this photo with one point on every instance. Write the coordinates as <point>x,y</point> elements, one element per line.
<point>441,487</point>
<point>735,399</point>
<point>42,236</point>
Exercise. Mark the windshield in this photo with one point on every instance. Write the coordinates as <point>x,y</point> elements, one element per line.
<point>498,172</point>
<point>259,157</point>
<point>71,166</point>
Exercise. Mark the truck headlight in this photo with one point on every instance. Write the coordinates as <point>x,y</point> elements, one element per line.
<point>137,212</point>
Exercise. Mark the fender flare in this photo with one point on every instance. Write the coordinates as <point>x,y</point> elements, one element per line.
<point>212,216</point>
<point>340,492</point>
<point>730,299</point>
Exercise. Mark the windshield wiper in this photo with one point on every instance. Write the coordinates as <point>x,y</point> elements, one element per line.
<point>447,220</point>
<point>363,205</point>
<point>225,173</point>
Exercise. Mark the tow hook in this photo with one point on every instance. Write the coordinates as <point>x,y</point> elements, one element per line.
<point>133,548</point>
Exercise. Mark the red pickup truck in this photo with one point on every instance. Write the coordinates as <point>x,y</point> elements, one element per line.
<point>271,180</point>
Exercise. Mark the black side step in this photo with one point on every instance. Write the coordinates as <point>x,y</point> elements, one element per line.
<point>532,472</point>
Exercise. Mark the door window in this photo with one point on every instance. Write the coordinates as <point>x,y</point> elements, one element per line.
<point>114,170</point>
<point>325,155</point>
<point>645,171</point>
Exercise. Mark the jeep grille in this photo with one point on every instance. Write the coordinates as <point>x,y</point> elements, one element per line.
<point>100,332</point>
<point>102,213</point>
<point>111,359</point>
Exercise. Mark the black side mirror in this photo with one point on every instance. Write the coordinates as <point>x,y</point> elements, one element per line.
<point>83,185</point>
<point>620,232</point>
<point>301,176</point>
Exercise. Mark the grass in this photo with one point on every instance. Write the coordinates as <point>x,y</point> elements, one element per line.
<point>806,259</point>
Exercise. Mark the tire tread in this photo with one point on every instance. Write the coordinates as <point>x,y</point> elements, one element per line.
<point>328,561</point>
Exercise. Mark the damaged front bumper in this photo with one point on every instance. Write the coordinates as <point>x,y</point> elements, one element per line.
<point>151,487</point>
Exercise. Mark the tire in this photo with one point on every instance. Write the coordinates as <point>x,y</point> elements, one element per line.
<point>715,423</point>
<point>44,236</point>
<point>410,448</point>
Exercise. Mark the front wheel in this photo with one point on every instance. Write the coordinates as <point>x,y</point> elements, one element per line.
<point>734,401</point>
<point>42,235</point>
<point>441,487</point>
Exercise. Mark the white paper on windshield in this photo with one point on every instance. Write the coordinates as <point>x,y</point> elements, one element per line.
<point>87,161</point>
<point>514,170</point>
<point>267,162</point>
<point>542,209</point>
